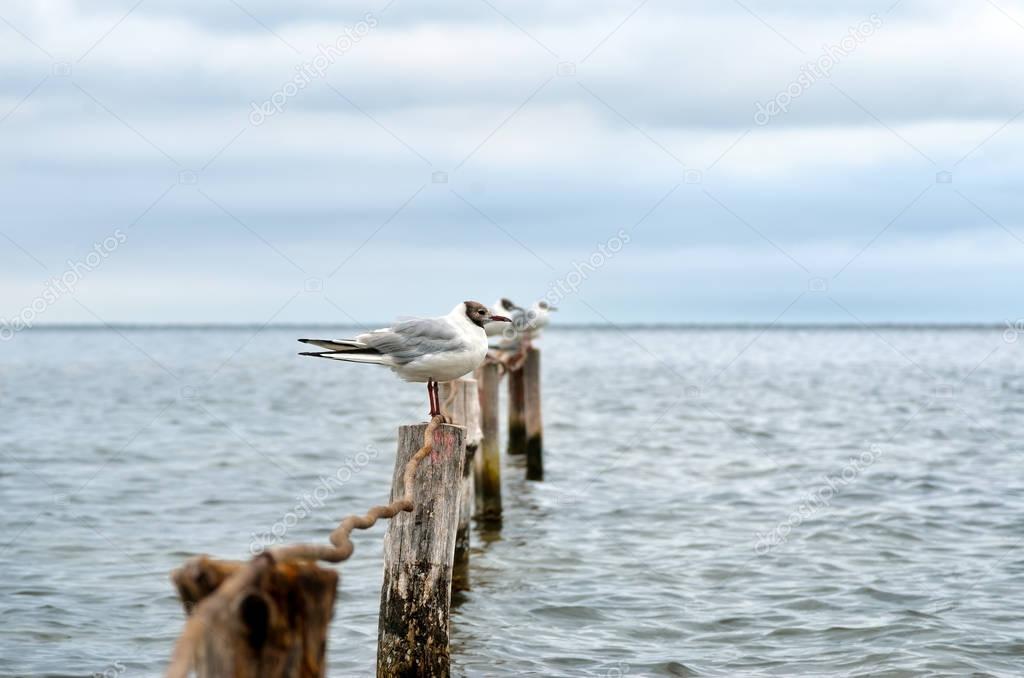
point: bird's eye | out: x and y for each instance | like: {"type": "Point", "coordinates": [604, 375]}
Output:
{"type": "Point", "coordinates": [482, 312]}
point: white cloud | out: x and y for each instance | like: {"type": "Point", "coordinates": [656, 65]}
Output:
{"type": "Point", "coordinates": [675, 88]}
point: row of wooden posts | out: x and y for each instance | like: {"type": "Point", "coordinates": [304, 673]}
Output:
{"type": "Point", "coordinates": [278, 629]}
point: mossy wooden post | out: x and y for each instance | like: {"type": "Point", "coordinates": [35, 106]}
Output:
{"type": "Point", "coordinates": [488, 459]}
{"type": "Point", "coordinates": [464, 411]}
{"type": "Point", "coordinates": [274, 629]}
{"type": "Point", "coordinates": [516, 412]}
{"type": "Point", "coordinates": [534, 421]}
{"type": "Point", "coordinates": [419, 548]}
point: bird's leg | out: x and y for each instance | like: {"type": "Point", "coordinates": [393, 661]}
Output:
{"type": "Point", "coordinates": [435, 403]}
{"type": "Point", "coordinates": [432, 393]}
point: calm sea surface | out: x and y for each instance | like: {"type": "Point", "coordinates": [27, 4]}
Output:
{"type": "Point", "coordinates": [717, 503]}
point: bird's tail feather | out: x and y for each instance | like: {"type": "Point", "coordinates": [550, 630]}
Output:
{"type": "Point", "coordinates": [373, 359]}
{"type": "Point", "coordinates": [343, 345]}
{"type": "Point", "coordinates": [348, 350]}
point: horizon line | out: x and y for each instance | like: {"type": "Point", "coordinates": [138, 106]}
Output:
{"type": "Point", "coordinates": [941, 325]}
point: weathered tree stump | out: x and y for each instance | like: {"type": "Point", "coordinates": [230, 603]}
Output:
{"type": "Point", "coordinates": [464, 411]}
{"type": "Point", "coordinates": [488, 459]}
{"type": "Point", "coordinates": [516, 412]}
{"type": "Point", "coordinates": [534, 421]}
{"type": "Point", "coordinates": [276, 628]}
{"type": "Point", "coordinates": [419, 549]}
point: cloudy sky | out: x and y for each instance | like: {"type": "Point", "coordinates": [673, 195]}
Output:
{"type": "Point", "coordinates": [249, 161]}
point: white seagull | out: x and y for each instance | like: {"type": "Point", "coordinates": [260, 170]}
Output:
{"type": "Point", "coordinates": [538, 317]}
{"type": "Point", "coordinates": [421, 349]}
{"type": "Point", "coordinates": [515, 314]}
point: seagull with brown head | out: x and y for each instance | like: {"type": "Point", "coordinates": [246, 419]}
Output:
{"type": "Point", "coordinates": [427, 350]}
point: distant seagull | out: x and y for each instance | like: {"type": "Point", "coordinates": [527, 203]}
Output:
{"type": "Point", "coordinates": [515, 314]}
{"type": "Point", "coordinates": [422, 349]}
{"type": "Point", "coordinates": [526, 323]}
{"type": "Point", "coordinates": [538, 317]}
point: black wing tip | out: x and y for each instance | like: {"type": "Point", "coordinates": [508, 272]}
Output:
{"type": "Point", "coordinates": [307, 341]}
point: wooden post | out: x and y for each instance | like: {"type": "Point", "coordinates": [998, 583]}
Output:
{"type": "Point", "coordinates": [516, 412]}
{"type": "Point", "coordinates": [460, 564]}
{"type": "Point", "coordinates": [488, 459]}
{"type": "Point", "coordinates": [464, 411]}
{"type": "Point", "coordinates": [418, 552]}
{"type": "Point", "coordinates": [534, 422]}
{"type": "Point", "coordinates": [274, 629]}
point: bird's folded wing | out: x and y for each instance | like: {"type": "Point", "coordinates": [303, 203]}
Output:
{"type": "Point", "coordinates": [412, 339]}
{"type": "Point", "coordinates": [425, 328]}
{"type": "Point", "coordinates": [335, 345]}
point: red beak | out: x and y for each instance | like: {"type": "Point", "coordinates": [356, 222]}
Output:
{"type": "Point", "coordinates": [501, 319]}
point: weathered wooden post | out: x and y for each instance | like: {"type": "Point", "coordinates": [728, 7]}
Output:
{"type": "Point", "coordinates": [516, 411]}
{"type": "Point", "coordinates": [534, 422]}
{"type": "Point", "coordinates": [418, 552]}
{"type": "Point", "coordinates": [275, 628]}
{"type": "Point", "coordinates": [488, 459]}
{"type": "Point", "coordinates": [464, 410]}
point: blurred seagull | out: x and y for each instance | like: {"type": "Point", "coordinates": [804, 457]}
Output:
{"type": "Point", "coordinates": [421, 349]}
{"type": "Point", "coordinates": [515, 314]}
{"type": "Point", "coordinates": [538, 317]}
